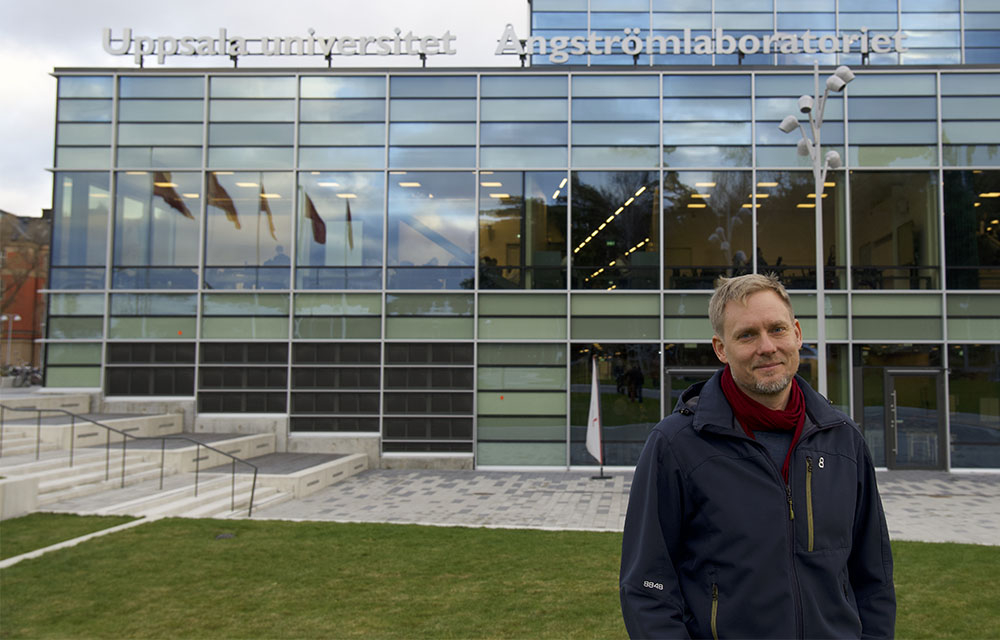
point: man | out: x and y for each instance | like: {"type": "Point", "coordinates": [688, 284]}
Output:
{"type": "Point", "coordinates": [754, 511]}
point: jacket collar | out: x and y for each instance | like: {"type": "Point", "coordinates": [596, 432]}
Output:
{"type": "Point", "coordinates": [712, 410]}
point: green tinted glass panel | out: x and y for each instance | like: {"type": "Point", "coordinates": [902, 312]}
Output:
{"type": "Point", "coordinates": [973, 329]}
{"type": "Point", "coordinates": [243, 327]}
{"type": "Point", "coordinates": [331, 304]}
{"type": "Point", "coordinates": [836, 328]}
{"type": "Point", "coordinates": [73, 354]}
{"type": "Point", "coordinates": [892, 305]}
{"type": "Point", "coordinates": [337, 327]}
{"type": "Point", "coordinates": [969, 305]}
{"type": "Point", "coordinates": [165, 328]}
{"type": "Point", "coordinates": [154, 304]}
{"type": "Point", "coordinates": [429, 305]}
{"type": "Point", "coordinates": [244, 304]}
{"type": "Point", "coordinates": [686, 305]}
{"type": "Point", "coordinates": [552, 378]}
{"type": "Point", "coordinates": [615, 305]}
{"type": "Point", "coordinates": [687, 328]}
{"type": "Point", "coordinates": [75, 327]}
{"type": "Point", "coordinates": [522, 304]}
{"type": "Point", "coordinates": [521, 453]}
{"type": "Point", "coordinates": [453, 328]}
{"type": "Point", "coordinates": [75, 304]}
{"type": "Point", "coordinates": [617, 328]}
{"type": "Point", "coordinates": [897, 329]}
{"type": "Point", "coordinates": [521, 403]}
{"type": "Point", "coordinates": [526, 354]}
{"type": "Point", "coordinates": [73, 377]}
{"type": "Point", "coordinates": [523, 328]}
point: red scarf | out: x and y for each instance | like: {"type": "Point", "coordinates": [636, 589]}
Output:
{"type": "Point", "coordinates": [753, 416]}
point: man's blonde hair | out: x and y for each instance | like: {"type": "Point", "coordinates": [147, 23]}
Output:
{"type": "Point", "coordinates": [739, 289]}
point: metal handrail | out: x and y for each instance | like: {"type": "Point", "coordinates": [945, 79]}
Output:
{"type": "Point", "coordinates": [125, 436]}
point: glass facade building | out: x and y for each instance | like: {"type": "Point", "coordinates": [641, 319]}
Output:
{"type": "Point", "coordinates": [430, 258]}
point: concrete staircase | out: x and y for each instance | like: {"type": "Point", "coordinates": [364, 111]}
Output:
{"type": "Point", "coordinates": [57, 462]}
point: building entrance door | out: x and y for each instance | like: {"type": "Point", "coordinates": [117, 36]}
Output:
{"type": "Point", "coordinates": [915, 421]}
{"type": "Point", "coordinates": [677, 379]}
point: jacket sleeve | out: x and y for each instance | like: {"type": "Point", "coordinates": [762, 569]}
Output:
{"type": "Point", "coordinates": [870, 562]}
{"type": "Point", "coordinates": [652, 604]}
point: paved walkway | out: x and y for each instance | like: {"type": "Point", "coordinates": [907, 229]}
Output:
{"type": "Point", "coordinates": [920, 505]}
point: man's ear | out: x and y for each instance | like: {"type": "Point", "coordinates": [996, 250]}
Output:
{"type": "Point", "coordinates": [798, 333]}
{"type": "Point", "coordinates": [720, 349]}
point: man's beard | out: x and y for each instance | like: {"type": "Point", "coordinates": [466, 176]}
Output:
{"type": "Point", "coordinates": [773, 387]}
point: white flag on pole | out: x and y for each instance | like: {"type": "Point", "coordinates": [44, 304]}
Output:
{"type": "Point", "coordinates": [594, 418]}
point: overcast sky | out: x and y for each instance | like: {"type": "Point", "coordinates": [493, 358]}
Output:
{"type": "Point", "coordinates": [37, 36]}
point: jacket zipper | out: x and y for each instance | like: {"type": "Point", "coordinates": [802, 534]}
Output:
{"type": "Point", "coordinates": [715, 611]}
{"type": "Point", "coordinates": [809, 499]}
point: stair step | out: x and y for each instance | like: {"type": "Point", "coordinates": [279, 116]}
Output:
{"type": "Point", "coordinates": [90, 488]}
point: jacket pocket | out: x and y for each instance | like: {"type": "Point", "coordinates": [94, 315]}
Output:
{"type": "Point", "coordinates": [809, 503]}
{"type": "Point", "coordinates": [715, 611]}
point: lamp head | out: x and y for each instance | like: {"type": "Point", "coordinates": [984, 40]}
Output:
{"type": "Point", "coordinates": [833, 159]}
{"type": "Point", "coordinates": [789, 124]}
{"type": "Point", "coordinates": [844, 73]}
{"type": "Point", "coordinates": [805, 104]}
{"type": "Point", "coordinates": [835, 83]}
{"type": "Point", "coordinates": [802, 148]}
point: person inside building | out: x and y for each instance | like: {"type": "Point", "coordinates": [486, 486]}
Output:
{"type": "Point", "coordinates": [754, 511]}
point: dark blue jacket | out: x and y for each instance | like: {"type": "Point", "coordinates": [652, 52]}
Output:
{"type": "Point", "coordinates": [717, 545]}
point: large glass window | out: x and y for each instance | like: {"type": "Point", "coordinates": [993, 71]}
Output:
{"type": "Point", "coordinates": [972, 229]}
{"type": "Point", "coordinates": [786, 228]}
{"type": "Point", "coordinates": [614, 230]}
{"type": "Point", "coordinates": [249, 230]}
{"type": "Point", "coordinates": [523, 122]}
{"type": "Point", "coordinates": [776, 97]}
{"type": "Point", "coordinates": [706, 121]}
{"type": "Point", "coordinates": [80, 230]}
{"type": "Point", "coordinates": [975, 405]}
{"type": "Point", "coordinates": [970, 128]}
{"type": "Point", "coordinates": [707, 227]}
{"type": "Point", "coordinates": [432, 230]}
{"type": "Point", "coordinates": [343, 122]}
{"type": "Point", "coordinates": [84, 102]}
{"type": "Point", "coordinates": [340, 230]}
{"type": "Point", "coordinates": [244, 112]}
{"type": "Point", "coordinates": [629, 381]}
{"type": "Point", "coordinates": [160, 121]}
{"type": "Point", "coordinates": [893, 120]}
{"type": "Point", "coordinates": [432, 121]}
{"type": "Point", "coordinates": [522, 230]}
{"type": "Point", "coordinates": [615, 121]}
{"type": "Point", "coordinates": [894, 228]}
{"type": "Point", "coordinates": [157, 230]}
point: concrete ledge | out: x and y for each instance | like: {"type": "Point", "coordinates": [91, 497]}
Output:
{"type": "Point", "coordinates": [369, 445]}
{"type": "Point", "coordinates": [88, 434]}
{"type": "Point", "coordinates": [271, 424]}
{"type": "Point", "coordinates": [18, 496]}
{"type": "Point", "coordinates": [72, 402]}
{"type": "Point", "coordinates": [184, 460]}
{"type": "Point", "coordinates": [311, 480]}
{"type": "Point", "coordinates": [184, 407]}
{"type": "Point", "coordinates": [438, 461]}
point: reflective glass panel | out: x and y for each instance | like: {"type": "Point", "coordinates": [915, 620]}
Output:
{"type": "Point", "coordinates": [80, 219]}
{"type": "Point", "coordinates": [614, 230]}
{"type": "Point", "coordinates": [707, 227]}
{"type": "Point", "coordinates": [972, 229]}
{"type": "Point", "coordinates": [522, 230]}
{"type": "Point", "coordinates": [894, 229]}
{"type": "Point", "coordinates": [248, 230]}
{"type": "Point", "coordinates": [432, 230]}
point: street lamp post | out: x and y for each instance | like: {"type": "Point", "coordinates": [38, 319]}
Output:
{"type": "Point", "coordinates": [10, 320]}
{"type": "Point", "coordinates": [814, 107]}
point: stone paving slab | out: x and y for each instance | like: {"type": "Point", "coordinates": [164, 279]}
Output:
{"type": "Point", "coordinates": [919, 505]}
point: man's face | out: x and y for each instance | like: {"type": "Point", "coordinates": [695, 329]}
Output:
{"type": "Point", "coordinates": [760, 344]}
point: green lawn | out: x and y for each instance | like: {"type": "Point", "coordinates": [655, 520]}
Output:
{"type": "Point", "coordinates": [39, 530]}
{"type": "Point", "coordinates": [178, 578]}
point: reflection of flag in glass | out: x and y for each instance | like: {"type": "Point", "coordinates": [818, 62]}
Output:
{"type": "Point", "coordinates": [218, 197]}
{"type": "Point", "coordinates": [318, 226]}
{"type": "Point", "coordinates": [350, 231]}
{"type": "Point", "coordinates": [163, 187]}
{"type": "Point", "coordinates": [266, 208]}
